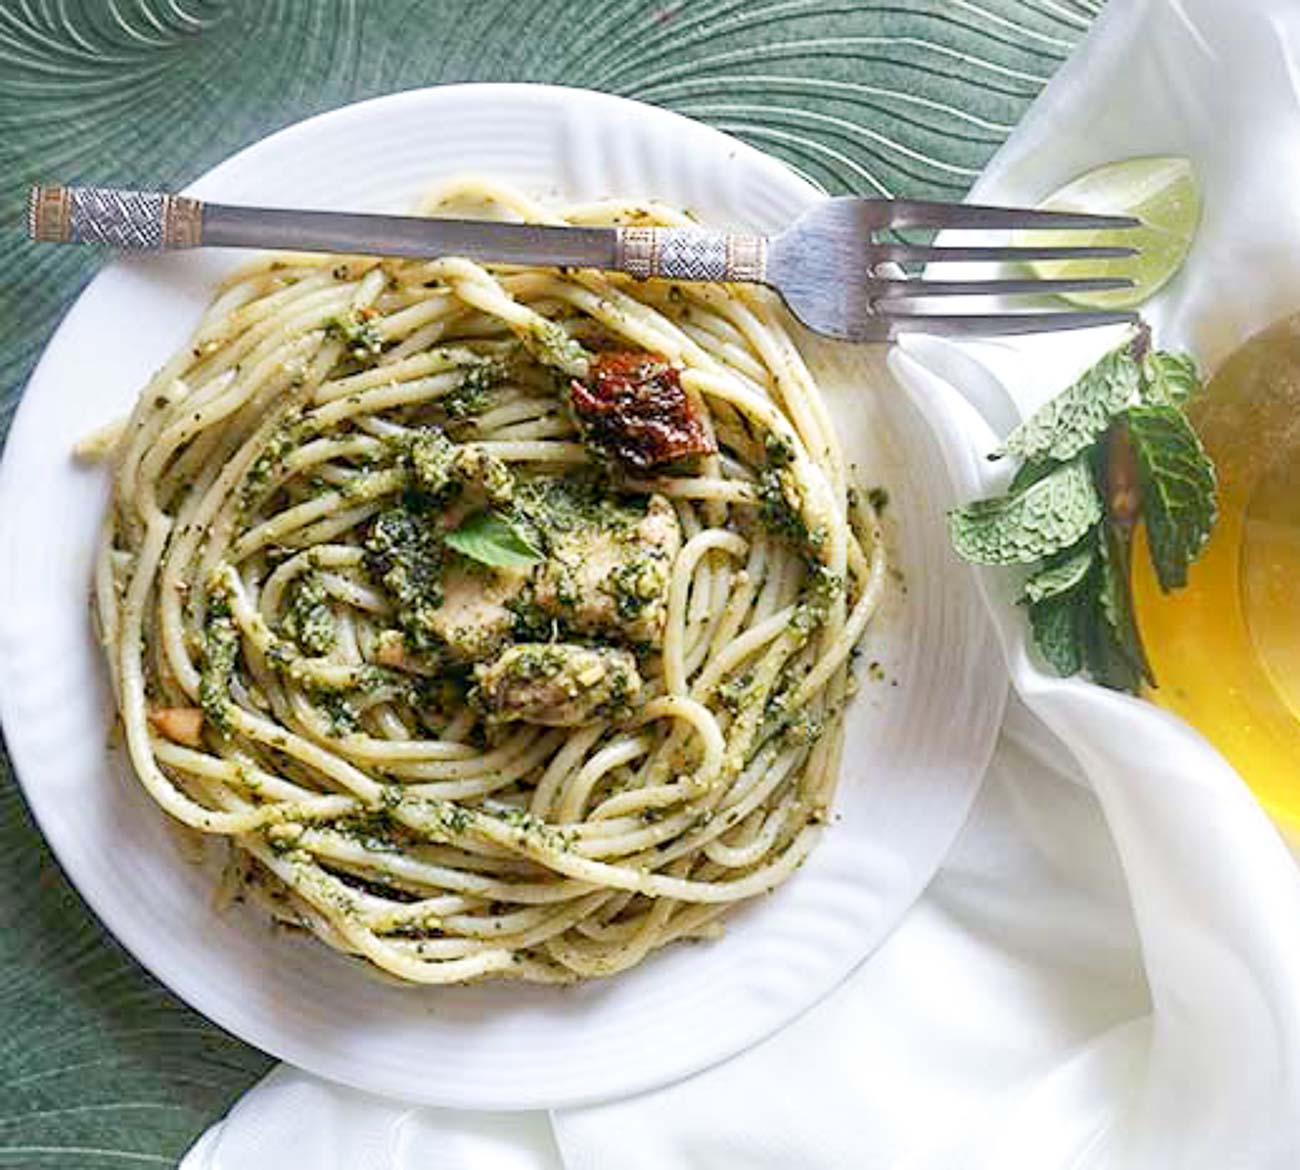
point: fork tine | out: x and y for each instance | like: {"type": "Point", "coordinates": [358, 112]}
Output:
{"type": "Point", "coordinates": [893, 290]}
{"type": "Point", "coordinates": [997, 324]}
{"type": "Point", "coordinates": [913, 213]}
{"type": "Point", "coordinates": [904, 253]}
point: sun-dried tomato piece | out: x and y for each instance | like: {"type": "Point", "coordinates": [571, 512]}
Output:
{"type": "Point", "coordinates": [633, 406]}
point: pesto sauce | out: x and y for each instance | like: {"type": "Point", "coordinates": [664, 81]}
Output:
{"type": "Point", "coordinates": [357, 330]}
{"type": "Point", "coordinates": [824, 587]}
{"type": "Point", "coordinates": [532, 829]}
{"type": "Point", "coordinates": [551, 344]}
{"type": "Point", "coordinates": [736, 693]}
{"type": "Point", "coordinates": [638, 584]}
{"type": "Point", "coordinates": [473, 395]}
{"type": "Point", "coordinates": [576, 504]}
{"type": "Point", "coordinates": [441, 470]}
{"type": "Point", "coordinates": [781, 501]}
{"type": "Point", "coordinates": [431, 456]}
{"type": "Point", "coordinates": [307, 619]}
{"type": "Point", "coordinates": [340, 714]}
{"type": "Point", "coordinates": [269, 464]}
{"type": "Point", "coordinates": [220, 651]}
{"type": "Point", "coordinates": [405, 555]}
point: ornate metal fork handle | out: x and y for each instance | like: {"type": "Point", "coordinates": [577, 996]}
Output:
{"type": "Point", "coordinates": [691, 254]}
{"type": "Point", "coordinates": [826, 264]}
{"type": "Point", "coordinates": [154, 221]}
{"type": "Point", "coordinates": [133, 220]}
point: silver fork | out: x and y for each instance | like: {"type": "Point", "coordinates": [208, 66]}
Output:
{"type": "Point", "coordinates": [829, 266]}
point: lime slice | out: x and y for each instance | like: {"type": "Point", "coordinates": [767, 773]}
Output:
{"type": "Point", "coordinates": [1161, 191]}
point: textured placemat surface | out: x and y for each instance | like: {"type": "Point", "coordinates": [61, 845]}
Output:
{"type": "Point", "coordinates": [99, 1066]}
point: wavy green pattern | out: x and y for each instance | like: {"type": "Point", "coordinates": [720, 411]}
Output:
{"type": "Point", "coordinates": [99, 1066]}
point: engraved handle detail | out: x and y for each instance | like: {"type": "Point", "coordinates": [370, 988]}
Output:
{"type": "Point", "coordinates": [154, 220]}
{"type": "Point", "coordinates": [131, 220]}
{"type": "Point", "coordinates": [691, 254]}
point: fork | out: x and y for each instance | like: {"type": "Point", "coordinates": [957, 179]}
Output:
{"type": "Point", "coordinates": [829, 266]}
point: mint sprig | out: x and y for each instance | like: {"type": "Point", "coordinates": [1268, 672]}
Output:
{"type": "Point", "coordinates": [1114, 449]}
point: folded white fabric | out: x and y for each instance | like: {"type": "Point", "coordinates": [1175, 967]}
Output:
{"type": "Point", "coordinates": [1106, 972]}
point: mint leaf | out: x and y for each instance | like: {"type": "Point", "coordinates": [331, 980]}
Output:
{"type": "Point", "coordinates": [1054, 622]}
{"type": "Point", "coordinates": [1168, 379]}
{"type": "Point", "coordinates": [1179, 499]}
{"type": "Point", "coordinates": [1061, 575]}
{"type": "Point", "coordinates": [1081, 613]}
{"type": "Point", "coordinates": [1077, 417]}
{"type": "Point", "coordinates": [1116, 600]}
{"type": "Point", "coordinates": [1044, 518]}
{"type": "Point", "coordinates": [1105, 658]}
{"type": "Point", "coordinates": [491, 539]}
{"type": "Point", "coordinates": [1027, 474]}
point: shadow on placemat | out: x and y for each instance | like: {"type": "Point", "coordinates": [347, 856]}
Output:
{"type": "Point", "coordinates": [100, 1066]}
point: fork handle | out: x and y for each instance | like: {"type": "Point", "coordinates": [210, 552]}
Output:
{"type": "Point", "coordinates": [155, 221]}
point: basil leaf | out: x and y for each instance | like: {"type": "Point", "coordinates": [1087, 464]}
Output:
{"type": "Point", "coordinates": [1177, 482]}
{"type": "Point", "coordinates": [1061, 575]}
{"type": "Point", "coordinates": [1054, 623]}
{"type": "Point", "coordinates": [491, 539]}
{"type": "Point", "coordinates": [1049, 515]}
{"type": "Point", "coordinates": [1168, 379]}
{"type": "Point", "coordinates": [1076, 418]}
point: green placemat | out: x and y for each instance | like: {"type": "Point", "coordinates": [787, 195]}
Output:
{"type": "Point", "coordinates": [100, 1066]}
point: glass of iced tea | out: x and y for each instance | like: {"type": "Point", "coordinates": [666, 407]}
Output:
{"type": "Point", "coordinates": [1226, 650]}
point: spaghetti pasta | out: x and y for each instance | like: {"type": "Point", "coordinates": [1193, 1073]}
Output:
{"type": "Point", "coordinates": [467, 695]}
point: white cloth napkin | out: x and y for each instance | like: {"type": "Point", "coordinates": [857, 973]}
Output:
{"type": "Point", "coordinates": [1106, 972]}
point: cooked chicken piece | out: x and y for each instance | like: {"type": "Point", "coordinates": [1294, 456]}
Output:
{"type": "Point", "coordinates": [440, 602]}
{"type": "Point", "coordinates": [612, 578]}
{"type": "Point", "coordinates": [557, 684]}
{"type": "Point", "coordinates": [182, 725]}
{"type": "Point", "coordinates": [473, 619]}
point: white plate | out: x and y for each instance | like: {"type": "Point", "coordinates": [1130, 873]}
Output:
{"type": "Point", "coordinates": [916, 750]}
